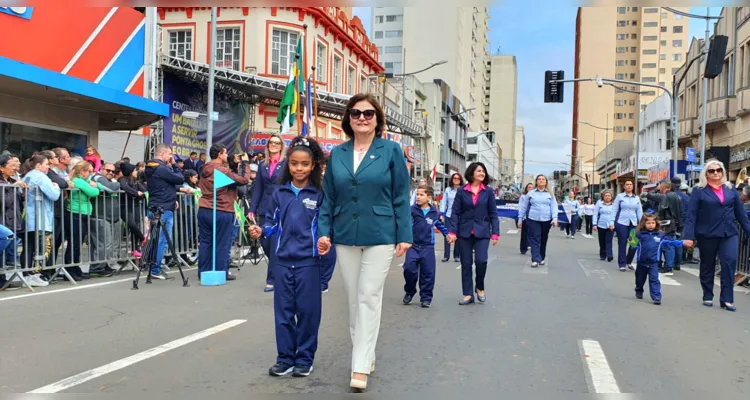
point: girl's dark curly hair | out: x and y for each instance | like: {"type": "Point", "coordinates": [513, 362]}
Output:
{"type": "Point", "coordinates": [311, 147]}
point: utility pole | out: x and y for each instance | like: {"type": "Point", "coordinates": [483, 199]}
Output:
{"type": "Point", "coordinates": [211, 73]}
{"type": "Point", "coordinates": [705, 94]}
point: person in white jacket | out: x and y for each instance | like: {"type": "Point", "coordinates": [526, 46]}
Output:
{"type": "Point", "coordinates": [40, 214]}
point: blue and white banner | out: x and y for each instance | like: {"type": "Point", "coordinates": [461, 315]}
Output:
{"type": "Point", "coordinates": [509, 209]}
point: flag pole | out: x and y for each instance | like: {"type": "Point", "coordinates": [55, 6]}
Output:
{"type": "Point", "coordinates": [315, 103]}
{"type": "Point", "coordinates": [301, 84]}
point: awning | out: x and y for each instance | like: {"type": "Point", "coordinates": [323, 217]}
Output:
{"type": "Point", "coordinates": [117, 110]}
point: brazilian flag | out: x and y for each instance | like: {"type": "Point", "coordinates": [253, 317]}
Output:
{"type": "Point", "coordinates": [240, 217]}
{"type": "Point", "coordinates": [633, 239]}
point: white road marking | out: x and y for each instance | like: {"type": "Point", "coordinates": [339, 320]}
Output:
{"type": "Point", "coordinates": [81, 287]}
{"type": "Point", "coordinates": [669, 281]}
{"type": "Point", "coordinates": [599, 376]}
{"type": "Point", "coordinates": [592, 271]}
{"type": "Point", "coordinates": [587, 236]}
{"type": "Point", "coordinates": [86, 376]}
{"type": "Point", "coordinates": [717, 281]}
{"type": "Point", "coordinates": [512, 231]}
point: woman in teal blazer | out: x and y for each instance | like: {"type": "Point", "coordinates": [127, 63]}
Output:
{"type": "Point", "coordinates": [366, 209]}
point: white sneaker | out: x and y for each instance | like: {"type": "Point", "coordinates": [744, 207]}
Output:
{"type": "Point", "coordinates": [160, 276]}
{"type": "Point", "coordinates": [36, 281]}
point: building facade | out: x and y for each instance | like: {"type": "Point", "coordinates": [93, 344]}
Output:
{"type": "Point", "coordinates": [83, 87]}
{"type": "Point", "coordinates": [263, 41]}
{"type": "Point", "coordinates": [501, 115]}
{"type": "Point", "coordinates": [519, 154]}
{"type": "Point", "coordinates": [639, 44]}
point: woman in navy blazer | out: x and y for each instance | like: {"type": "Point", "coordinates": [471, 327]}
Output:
{"type": "Point", "coordinates": [366, 209]}
{"type": "Point", "coordinates": [474, 224]}
{"type": "Point", "coordinates": [713, 213]}
{"type": "Point", "coordinates": [266, 182]}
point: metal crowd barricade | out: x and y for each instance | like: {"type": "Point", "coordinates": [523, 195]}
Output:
{"type": "Point", "coordinates": [742, 276]}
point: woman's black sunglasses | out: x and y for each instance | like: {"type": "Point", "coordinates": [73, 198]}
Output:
{"type": "Point", "coordinates": [714, 171]}
{"type": "Point", "coordinates": [355, 114]}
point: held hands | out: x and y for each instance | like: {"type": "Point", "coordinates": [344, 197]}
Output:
{"type": "Point", "coordinates": [451, 238]}
{"type": "Point", "coordinates": [255, 231]}
{"type": "Point", "coordinates": [688, 243]}
{"type": "Point", "coordinates": [324, 245]}
{"type": "Point", "coordinates": [401, 249]}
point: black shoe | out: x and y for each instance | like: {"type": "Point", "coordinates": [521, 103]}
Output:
{"type": "Point", "coordinates": [85, 276]}
{"type": "Point", "coordinates": [676, 267]}
{"type": "Point", "coordinates": [280, 369]}
{"type": "Point", "coordinates": [662, 270]}
{"type": "Point", "coordinates": [426, 304]}
{"type": "Point", "coordinates": [76, 278]}
{"type": "Point", "coordinates": [657, 302]}
{"type": "Point", "coordinates": [463, 302]}
{"type": "Point", "coordinates": [408, 298]}
{"type": "Point", "coordinates": [609, 259]}
{"type": "Point", "coordinates": [444, 260]}
{"type": "Point", "coordinates": [300, 371]}
{"type": "Point", "coordinates": [481, 299]}
{"type": "Point", "coordinates": [639, 295]}
{"type": "Point", "coordinates": [602, 258]}
{"type": "Point", "coordinates": [102, 273]}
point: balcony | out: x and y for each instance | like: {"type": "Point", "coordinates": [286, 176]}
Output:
{"type": "Point", "coordinates": [721, 110]}
{"type": "Point", "coordinates": [743, 101]}
{"type": "Point", "coordinates": [687, 127]}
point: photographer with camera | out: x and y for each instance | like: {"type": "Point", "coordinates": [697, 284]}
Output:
{"type": "Point", "coordinates": [224, 223]}
{"type": "Point", "coordinates": [162, 189]}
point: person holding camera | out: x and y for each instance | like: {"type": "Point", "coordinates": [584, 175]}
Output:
{"type": "Point", "coordinates": [224, 223]}
{"type": "Point", "coordinates": [162, 181]}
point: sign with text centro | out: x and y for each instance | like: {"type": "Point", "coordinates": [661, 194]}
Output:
{"type": "Point", "coordinates": [259, 140]}
{"type": "Point", "coordinates": [21, 12]}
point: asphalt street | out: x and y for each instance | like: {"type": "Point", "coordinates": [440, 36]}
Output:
{"type": "Point", "coordinates": [573, 326]}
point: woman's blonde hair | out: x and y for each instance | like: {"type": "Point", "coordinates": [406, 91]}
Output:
{"type": "Point", "coordinates": [268, 154]}
{"type": "Point", "coordinates": [549, 189]}
{"type": "Point", "coordinates": [78, 169]}
{"type": "Point", "coordinates": [703, 181]}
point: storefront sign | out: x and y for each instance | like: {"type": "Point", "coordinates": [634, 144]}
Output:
{"type": "Point", "coordinates": [647, 160]}
{"type": "Point", "coordinates": [658, 172]}
{"type": "Point", "coordinates": [259, 141]}
{"type": "Point", "coordinates": [21, 12]}
{"type": "Point", "coordinates": [739, 155]}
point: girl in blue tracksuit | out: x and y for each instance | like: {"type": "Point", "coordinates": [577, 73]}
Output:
{"type": "Point", "coordinates": [293, 224]}
{"type": "Point", "coordinates": [420, 258]}
{"type": "Point", "coordinates": [650, 241]}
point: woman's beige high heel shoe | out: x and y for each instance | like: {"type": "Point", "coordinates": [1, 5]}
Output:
{"type": "Point", "coordinates": [358, 383]}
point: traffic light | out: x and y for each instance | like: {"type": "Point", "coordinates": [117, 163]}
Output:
{"type": "Point", "coordinates": [553, 92]}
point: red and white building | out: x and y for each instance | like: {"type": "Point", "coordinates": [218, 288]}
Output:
{"type": "Point", "coordinates": [262, 41]}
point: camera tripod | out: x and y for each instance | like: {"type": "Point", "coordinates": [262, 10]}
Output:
{"type": "Point", "coordinates": [157, 226]}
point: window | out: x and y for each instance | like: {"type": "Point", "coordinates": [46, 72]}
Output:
{"type": "Point", "coordinates": [661, 83]}
{"type": "Point", "coordinates": [378, 34]}
{"type": "Point", "coordinates": [662, 71]}
{"type": "Point", "coordinates": [677, 16]}
{"type": "Point", "coordinates": [619, 115]}
{"type": "Point", "coordinates": [634, 36]}
{"type": "Point", "coordinates": [621, 36]}
{"type": "Point", "coordinates": [662, 57]}
{"type": "Point", "coordinates": [622, 23]}
{"type": "Point", "coordinates": [631, 102]}
{"type": "Point", "coordinates": [394, 18]}
{"type": "Point", "coordinates": [393, 67]}
{"type": "Point", "coordinates": [651, 10]}
{"type": "Point", "coordinates": [649, 65]}
{"type": "Point", "coordinates": [634, 9]}
{"type": "Point", "coordinates": [619, 76]}
{"type": "Point", "coordinates": [649, 79]}
{"type": "Point", "coordinates": [622, 49]}
{"type": "Point", "coordinates": [471, 140]}
{"type": "Point", "coordinates": [674, 70]}
{"type": "Point", "coordinates": [663, 43]}
{"type": "Point", "coordinates": [663, 28]}
{"type": "Point", "coordinates": [649, 51]}
{"type": "Point", "coordinates": [228, 48]}
{"type": "Point", "coordinates": [619, 102]}
{"type": "Point", "coordinates": [677, 29]}
{"type": "Point", "coordinates": [392, 34]}
{"type": "Point", "coordinates": [393, 49]}
{"type": "Point", "coordinates": [181, 44]}
{"type": "Point", "coordinates": [351, 73]}
{"type": "Point", "coordinates": [677, 43]}
{"type": "Point", "coordinates": [650, 38]}
{"type": "Point", "coordinates": [283, 47]}
{"type": "Point", "coordinates": [631, 129]}
{"type": "Point", "coordinates": [336, 74]}
{"type": "Point", "coordinates": [618, 129]}
{"type": "Point", "coordinates": [650, 24]}
{"type": "Point", "coordinates": [676, 57]}
{"type": "Point", "coordinates": [632, 76]}
{"type": "Point", "coordinates": [320, 63]}
{"type": "Point", "coordinates": [633, 63]}
{"type": "Point", "coordinates": [631, 116]}
{"type": "Point", "coordinates": [621, 10]}
{"type": "Point", "coordinates": [649, 93]}
{"type": "Point", "coordinates": [620, 63]}
{"type": "Point", "coordinates": [633, 49]}
{"type": "Point", "coordinates": [664, 15]}
{"type": "Point", "coordinates": [379, 19]}
{"type": "Point", "coordinates": [634, 23]}
{"type": "Point", "coordinates": [363, 85]}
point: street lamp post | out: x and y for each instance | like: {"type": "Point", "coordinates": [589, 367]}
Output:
{"type": "Point", "coordinates": [606, 143]}
{"type": "Point", "coordinates": [708, 18]}
{"type": "Point", "coordinates": [211, 67]}
{"type": "Point", "coordinates": [593, 159]}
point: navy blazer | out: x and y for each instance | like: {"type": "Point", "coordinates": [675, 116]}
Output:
{"type": "Point", "coordinates": [481, 218]}
{"type": "Point", "coordinates": [709, 218]}
{"type": "Point", "coordinates": [266, 182]}
{"type": "Point", "coordinates": [368, 207]}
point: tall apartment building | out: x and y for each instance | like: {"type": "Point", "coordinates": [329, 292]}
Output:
{"type": "Point", "coordinates": [458, 35]}
{"type": "Point", "coordinates": [500, 114]}
{"type": "Point", "coordinates": [641, 44]}
{"type": "Point", "coordinates": [519, 153]}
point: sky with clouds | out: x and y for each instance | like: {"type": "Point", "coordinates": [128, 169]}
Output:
{"type": "Point", "coordinates": [542, 40]}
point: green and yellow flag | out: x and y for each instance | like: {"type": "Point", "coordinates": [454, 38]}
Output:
{"type": "Point", "coordinates": [290, 101]}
